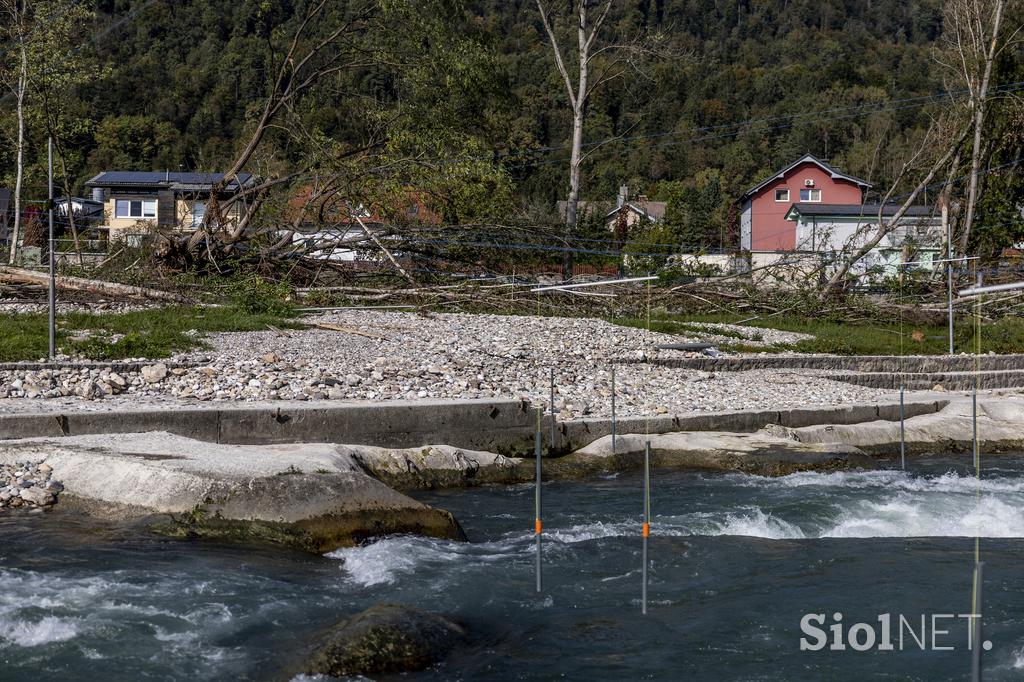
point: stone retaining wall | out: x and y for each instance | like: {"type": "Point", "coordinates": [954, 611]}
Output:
{"type": "Point", "coordinates": [854, 363]}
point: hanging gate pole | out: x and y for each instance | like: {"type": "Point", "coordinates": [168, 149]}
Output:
{"type": "Point", "coordinates": [647, 523]}
{"type": "Point", "coordinates": [537, 524]}
{"type": "Point", "coordinates": [552, 445]}
{"type": "Point", "coordinates": [614, 430]}
{"type": "Point", "coordinates": [51, 295]}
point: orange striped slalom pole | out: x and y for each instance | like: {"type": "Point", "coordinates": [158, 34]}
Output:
{"type": "Point", "coordinates": [536, 515]}
{"type": "Point", "coordinates": [647, 522]}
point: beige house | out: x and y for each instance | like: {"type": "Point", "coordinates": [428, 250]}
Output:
{"type": "Point", "coordinates": [138, 202]}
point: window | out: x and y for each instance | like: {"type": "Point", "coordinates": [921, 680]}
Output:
{"type": "Point", "coordinates": [782, 195]}
{"type": "Point", "coordinates": [813, 195]}
{"type": "Point", "coordinates": [198, 212]}
{"type": "Point", "coordinates": [135, 208]}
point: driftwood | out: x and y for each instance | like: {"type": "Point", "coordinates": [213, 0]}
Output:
{"type": "Point", "coordinates": [347, 330]}
{"type": "Point", "coordinates": [92, 286]}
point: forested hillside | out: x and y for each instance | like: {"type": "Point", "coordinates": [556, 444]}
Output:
{"type": "Point", "coordinates": [736, 89]}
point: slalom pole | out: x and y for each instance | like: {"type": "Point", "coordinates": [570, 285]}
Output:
{"type": "Point", "coordinates": [647, 522]}
{"type": "Point", "coordinates": [536, 514]}
{"type": "Point", "coordinates": [903, 436]}
{"type": "Point", "coordinates": [976, 609]}
{"type": "Point", "coordinates": [614, 430]}
{"type": "Point", "coordinates": [552, 445]}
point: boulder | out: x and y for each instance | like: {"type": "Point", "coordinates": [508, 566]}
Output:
{"type": "Point", "coordinates": [386, 638]}
{"type": "Point", "coordinates": [154, 373]}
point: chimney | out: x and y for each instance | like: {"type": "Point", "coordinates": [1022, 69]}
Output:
{"type": "Point", "coordinates": [623, 196]}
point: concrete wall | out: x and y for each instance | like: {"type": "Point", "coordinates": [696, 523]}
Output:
{"type": "Point", "coordinates": [501, 426]}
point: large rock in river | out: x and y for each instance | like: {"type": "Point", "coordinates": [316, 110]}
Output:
{"type": "Point", "coordinates": [310, 495]}
{"type": "Point", "coordinates": [387, 638]}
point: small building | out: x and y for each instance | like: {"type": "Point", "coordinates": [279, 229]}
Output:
{"type": "Point", "coordinates": [764, 225]}
{"type": "Point", "coordinates": [623, 212]}
{"type": "Point", "coordinates": [86, 212]}
{"type": "Point", "coordinates": [137, 202]}
{"type": "Point", "coordinates": [327, 226]}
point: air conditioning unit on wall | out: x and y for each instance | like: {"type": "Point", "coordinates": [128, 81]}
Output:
{"type": "Point", "coordinates": [808, 183]}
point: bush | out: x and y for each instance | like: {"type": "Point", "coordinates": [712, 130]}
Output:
{"type": "Point", "coordinates": [255, 295]}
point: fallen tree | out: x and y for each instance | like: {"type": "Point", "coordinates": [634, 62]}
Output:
{"type": "Point", "coordinates": [92, 286]}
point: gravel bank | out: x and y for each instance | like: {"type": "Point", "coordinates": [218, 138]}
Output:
{"type": "Point", "coordinates": [24, 485]}
{"type": "Point", "coordinates": [392, 356]}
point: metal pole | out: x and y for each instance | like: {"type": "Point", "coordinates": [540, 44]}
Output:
{"type": "Point", "coordinates": [976, 644]}
{"type": "Point", "coordinates": [949, 275]}
{"type": "Point", "coordinates": [552, 409]}
{"type": "Point", "coordinates": [974, 388]}
{"type": "Point", "coordinates": [647, 522]}
{"type": "Point", "coordinates": [614, 432]}
{"type": "Point", "coordinates": [52, 293]}
{"type": "Point", "coordinates": [903, 436]}
{"type": "Point", "coordinates": [537, 523]}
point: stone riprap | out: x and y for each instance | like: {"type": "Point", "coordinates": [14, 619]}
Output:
{"type": "Point", "coordinates": [403, 356]}
{"type": "Point", "coordinates": [27, 485]}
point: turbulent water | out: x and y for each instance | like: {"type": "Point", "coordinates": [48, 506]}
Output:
{"type": "Point", "coordinates": [736, 561]}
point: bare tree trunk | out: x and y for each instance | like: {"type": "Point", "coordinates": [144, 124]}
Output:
{"type": "Point", "coordinates": [578, 97]}
{"type": "Point", "coordinates": [20, 162]}
{"type": "Point", "coordinates": [70, 208]}
{"type": "Point", "coordinates": [978, 103]}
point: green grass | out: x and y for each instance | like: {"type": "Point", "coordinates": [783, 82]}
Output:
{"type": "Point", "coordinates": [1005, 335]}
{"type": "Point", "coordinates": [156, 333]}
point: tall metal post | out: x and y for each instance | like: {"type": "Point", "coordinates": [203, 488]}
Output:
{"type": "Point", "coordinates": [552, 409]}
{"type": "Point", "coordinates": [52, 293]}
{"type": "Point", "coordinates": [537, 524]}
{"type": "Point", "coordinates": [949, 275]}
{"type": "Point", "coordinates": [976, 642]}
{"type": "Point", "coordinates": [614, 429]}
{"type": "Point", "coordinates": [647, 523]}
{"type": "Point", "coordinates": [974, 388]}
{"type": "Point", "coordinates": [903, 435]}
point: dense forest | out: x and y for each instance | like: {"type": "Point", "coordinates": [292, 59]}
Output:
{"type": "Point", "coordinates": [732, 90]}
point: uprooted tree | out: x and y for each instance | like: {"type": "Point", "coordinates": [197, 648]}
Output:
{"type": "Point", "coordinates": [975, 36]}
{"type": "Point", "coordinates": [413, 143]}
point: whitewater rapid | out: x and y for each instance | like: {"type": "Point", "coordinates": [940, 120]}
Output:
{"type": "Point", "coordinates": [802, 506]}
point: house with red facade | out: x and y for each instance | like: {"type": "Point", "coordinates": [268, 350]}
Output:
{"type": "Point", "coordinates": [806, 214]}
{"type": "Point", "coordinates": [765, 224]}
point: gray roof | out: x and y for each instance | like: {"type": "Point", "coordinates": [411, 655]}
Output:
{"type": "Point", "coordinates": [807, 158]}
{"type": "Point", "coordinates": [867, 211]}
{"type": "Point", "coordinates": [167, 180]}
{"type": "Point", "coordinates": [653, 210]}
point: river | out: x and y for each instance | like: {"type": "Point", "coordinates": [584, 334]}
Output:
{"type": "Point", "coordinates": [736, 562]}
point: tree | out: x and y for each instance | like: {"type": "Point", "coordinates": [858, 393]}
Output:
{"type": "Point", "coordinates": [972, 44]}
{"type": "Point", "coordinates": [59, 66]}
{"type": "Point", "coordinates": [613, 60]}
{"type": "Point", "coordinates": [872, 234]}
{"type": "Point", "coordinates": [16, 14]}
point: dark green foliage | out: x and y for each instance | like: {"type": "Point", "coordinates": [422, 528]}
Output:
{"type": "Point", "coordinates": [452, 80]}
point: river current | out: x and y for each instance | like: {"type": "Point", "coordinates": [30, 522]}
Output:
{"type": "Point", "coordinates": [736, 562]}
